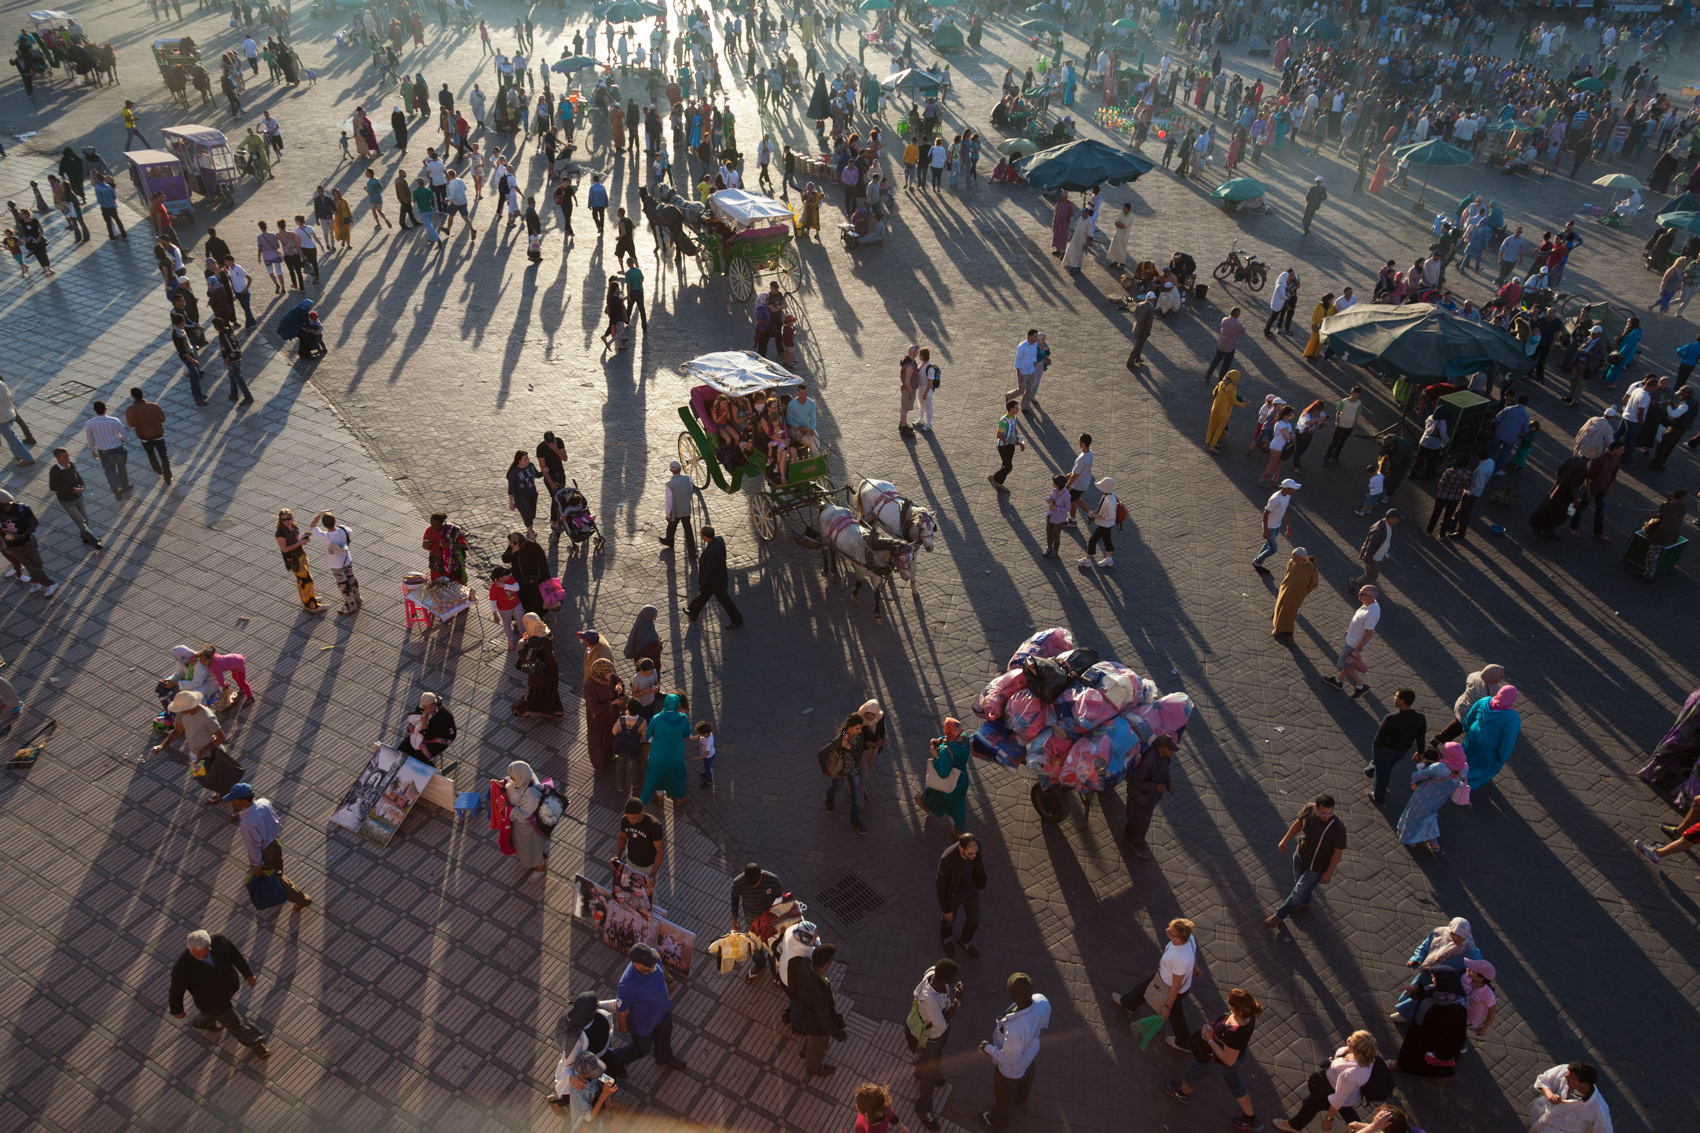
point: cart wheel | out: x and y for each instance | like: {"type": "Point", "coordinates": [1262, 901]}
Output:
{"type": "Point", "coordinates": [1048, 801]}
{"type": "Point", "coordinates": [743, 280]}
{"type": "Point", "coordinates": [691, 457]}
{"type": "Point", "coordinates": [705, 262]}
{"type": "Point", "coordinates": [790, 271]}
{"type": "Point", "coordinates": [227, 195]}
{"type": "Point", "coordinates": [764, 517]}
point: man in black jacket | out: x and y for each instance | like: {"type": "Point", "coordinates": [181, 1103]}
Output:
{"type": "Point", "coordinates": [211, 970]}
{"type": "Point", "coordinates": [961, 876]}
{"type": "Point", "coordinates": [1313, 201]}
{"type": "Point", "coordinates": [712, 578]}
{"type": "Point", "coordinates": [1403, 727]}
{"type": "Point", "coordinates": [813, 1013]}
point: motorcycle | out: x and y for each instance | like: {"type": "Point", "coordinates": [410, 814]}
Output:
{"type": "Point", "coordinates": [1244, 267]}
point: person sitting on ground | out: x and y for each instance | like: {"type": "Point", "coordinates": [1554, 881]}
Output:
{"type": "Point", "coordinates": [429, 731]}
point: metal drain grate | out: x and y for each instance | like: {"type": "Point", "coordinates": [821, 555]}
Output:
{"type": "Point", "coordinates": [66, 392]}
{"type": "Point", "coordinates": [849, 899]}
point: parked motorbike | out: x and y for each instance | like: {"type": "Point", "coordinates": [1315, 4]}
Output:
{"type": "Point", "coordinates": [1243, 267]}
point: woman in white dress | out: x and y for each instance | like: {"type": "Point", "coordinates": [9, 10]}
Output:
{"type": "Point", "coordinates": [1076, 254]}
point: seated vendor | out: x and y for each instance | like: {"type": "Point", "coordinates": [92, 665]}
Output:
{"type": "Point", "coordinates": [801, 418]}
{"type": "Point", "coordinates": [429, 731]}
{"type": "Point", "coordinates": [1183, 267]}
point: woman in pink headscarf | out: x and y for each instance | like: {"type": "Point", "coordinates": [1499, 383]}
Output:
{"type": "Point", "coordinates": [1491, 726]}
{"type": "Point", "coordinates": [1432, 785]}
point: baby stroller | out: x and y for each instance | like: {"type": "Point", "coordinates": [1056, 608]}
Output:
{"type": "Point", "coordinates": [580, 525]}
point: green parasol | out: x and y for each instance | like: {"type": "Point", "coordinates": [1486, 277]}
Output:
{"type": "Point", "coordinates": [1045, 26]}
{"type": "Point", "coordinates": [1018, 147]}
{"type": "Point", "coordinates": [875, 5]}
{"type": "Point", "coordinates": [1687, 221]}
{"type": "Point", "coordinates": [1239, 189]}
{"type": "Point", "coordinates": [1431, 153]}
{"type": "Point", "coordinates": [1589, 84]}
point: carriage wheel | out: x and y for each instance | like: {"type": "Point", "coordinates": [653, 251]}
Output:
{"type": "Point", "coordinates": [743, 279]}
{"type": "Point", "coordinates": [1048, 801]}
{"type": "Point", "coordinates": [691, 457]}
{"type": "Point", "coordinates": [764, 517]}
{"type": "Point", "coordinates": [227, 195]}
{"type": "Point", "coordinates": [790, 270]}
{"type": "Point", "coordinates": [705, 261]}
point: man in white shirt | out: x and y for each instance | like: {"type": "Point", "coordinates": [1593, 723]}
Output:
{"type": "Point", "coordinates": [1273, 520]}
{"type": "Point", "coordinates": [1026, 370]}
{"type": "Point", "coordinates": [239, 287]}
{"type": "Point", "coordinates": [1359, 633]}
{"type": "Point", "coordinates": [1569, 1101]}
{"type": "Point", "coordinates": [106, 437]}
{"type": "Point", "coordinates": [729, 175]}
{"type": "Point", "coordinates": [252, 51]}
{"type": "Point", "coordinates": [333, 540]}
{"type": "Point", "coordinates": [1478, 489]}
{"type": "Point", "coordinates": [437, 176]}
{"type": "Point", "coordinates": [764, 159]}
{"type": "Point", "coordinates": [1013, 1048]}
{"type": "Point", "coordinates": [454, 195]}
{"type": "Point", "coordinates": [938, 157]}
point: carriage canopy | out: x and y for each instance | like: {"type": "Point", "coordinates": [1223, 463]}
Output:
{"type": "Point", "coordinates": [738, 372]}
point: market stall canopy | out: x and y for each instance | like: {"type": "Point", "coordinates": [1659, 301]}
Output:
{"type": "Point", "coordinates": [1045, 26]}
{"type": "Point", "coordinates": [1422, 341]}
{"type": "Point", "coordinates": [625, 11]}
{"type": "Point", "coordinates": [1321, 29]}
{"type": "Point", "coordinates": [1589, 84]}
{"type": "Point", "coordinates": [572, 63]}
{"type": "Point", "coordinates": [738, 372]}
{"type": "Point", "coordinates": [948, 35]}
{"type": "Point", "coordinates": [745, 208]}
{"type": "Point", "coordinates": [1239, 189]}
{"type": "Point", "coordinates": [1018, 147]}
{"type": "Point", "coordinates": [875, 5]}
{"type": "Point", "coordinates": [1686, 202]}
{"type": "Point", "coordinates": [1080, 165]}
{"type": "Point", "coordinates": [1124, 24]}
{"type": "Point", "coordinates": [911, 81]}
{"type": "Point", "coordinates": [1042, 10]}
{"type": "Point", "coordinates": [942, 3]}
{"type": "Point", "coordinates": [48, 14]}
{"type": "Point", "coordinates": [1687, 221]}
{"type": "Point", "coordinates": [1433, 152]}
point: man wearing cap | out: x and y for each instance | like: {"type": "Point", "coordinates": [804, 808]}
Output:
{"type": "Point", "coordinates": [1589, 360]}
{"type": "Point", "coordinates": [588, 1090]}
{"type": "Point", "coordinates": [211, 970]}
{"type": "Point", "coordinates": [260, 828]}
{"type": "Point", "coordinates": [680, 492]}
{"type": "Point", "coordinates": [1359, 633]}
{"type": "Point", "coordinates": [1144, 314]}
{"type": "Point", "coordinates": [1275, 517]}
{"type": "Point", "coordinates": [643, 1010]}
{"type": "Point", "coordinates": [1376, 546]}
{"type": "Point", "coordinates": [1013, 1047]}
{"type": "Point", "coordinates": [1313, 201]}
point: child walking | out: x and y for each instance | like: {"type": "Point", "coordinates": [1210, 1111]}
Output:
{"type": "Point", "coordinates": [1057, 506]}
{"type": "Point", "coordinates": [1377, 488]}
{"type": "Point", "coordinates": [705, 751]}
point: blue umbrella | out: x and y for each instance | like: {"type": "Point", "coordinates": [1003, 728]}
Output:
{"type": "Point", "coordinates": [1431, 153]}
{"type": "Point", "coordinates": [1321, 29]}
{"type": "Point", "coordinates": [572, 63]}
{"type": "Point", "coordinates": [1080, 165]}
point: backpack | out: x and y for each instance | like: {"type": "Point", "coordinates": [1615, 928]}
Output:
{"type": "Point", "coordinates": [1121, 514]}
{"type": "Point", "coordinates": [626, 741]}
{"type": "Point", "coordinates": [831, 759]}
{"type": "Point", "coordinates": [549, 809]}
{"type": "Point", "coordinates": [937, 374]}
{"type": "Point", "coordinates": [1378, 1087]}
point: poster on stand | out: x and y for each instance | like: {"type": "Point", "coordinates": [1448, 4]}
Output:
{"type": "Point", "coordinates": [624, 913]}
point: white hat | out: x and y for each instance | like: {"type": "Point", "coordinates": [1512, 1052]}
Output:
{"type": "Point", "coordinates": [1289, 482]}
{"type": "Point", "coordinates": [185, 701]}
{"type": "Point", "coordinates": [1106, 485]}
{"type": "Point", "coordinates": [1612, 411]}
{"type": "Point", "coordinates": [674, 467]}
{"type": "Point", "coordinates": [1150, 295]}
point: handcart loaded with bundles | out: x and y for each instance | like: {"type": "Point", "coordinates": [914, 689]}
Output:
{"type": "Point", "coordinates": [1071, 720]}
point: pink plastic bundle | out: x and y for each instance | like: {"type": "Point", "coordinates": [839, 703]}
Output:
{"type": "Point", "coordinates": [990, 704]}
{"type": "Point", "coordinates": [1168, 713]}
{"type": "Point", "coordinates": [1045, 643]}
{"type": "Point", "coordinates": [1025, 715]}
{"type": "Point", "coordinates": [1089, 707]}
{"type": "Point", "coordinates": [1086, 762]}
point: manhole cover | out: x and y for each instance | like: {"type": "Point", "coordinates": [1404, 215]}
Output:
{"type": "Point", "coordinates": [849, 899]}
{"type": "Point", "coordinates": [66, 392]}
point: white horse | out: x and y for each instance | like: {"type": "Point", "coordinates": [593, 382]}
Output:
{"type": "Point", "coordinates": [880, 503]}
{"type": "Point", "coordinates": [871, 557]}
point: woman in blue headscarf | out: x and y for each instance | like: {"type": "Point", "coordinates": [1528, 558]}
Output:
{"type": "Point", "coordinates": [1490, 732]}
{"type": "Point", "coordinates": [667, 730]}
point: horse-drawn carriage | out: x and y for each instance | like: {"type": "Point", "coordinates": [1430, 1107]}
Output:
{"type": "Point", "coordinates": [874, 531]}
{"type": "Point", "coordinates": [745, 236]}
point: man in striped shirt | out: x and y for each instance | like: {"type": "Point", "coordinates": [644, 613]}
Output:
{"type": "Point", "coordinates": [753, 893]}
{"type": "Point", "coordinates": [1009, 439]}
{"type": "Point", "coordinates": [106, 441]}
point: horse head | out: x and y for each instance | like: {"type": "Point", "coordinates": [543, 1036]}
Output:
{"type": "Point", "coordinates": [921, 528]}
{"type": "Point", "coordinates": [903, 558]}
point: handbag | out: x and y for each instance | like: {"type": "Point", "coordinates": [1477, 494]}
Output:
{"type": "Point", "coordinates": [266, 890]}
{"type": "Point", "coordinates": [916, 1026]}
{"type": "Point", "coordinates": [1461, 793]}
{"type": "Point", "coordinates": [1355, 662]}
{"type": "Point", "coordinates": [1156, 995]}
{"type": "Point", "coordinates": [938, 781]}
